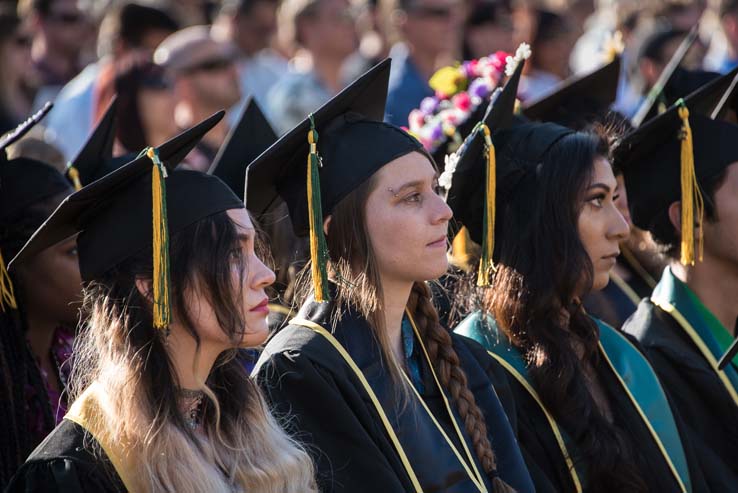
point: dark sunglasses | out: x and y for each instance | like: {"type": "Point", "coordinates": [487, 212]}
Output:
{"type": "Point", "coordinates": [211, 65]}
{"type": "Point", "coordinates": [23, 41]}
{"type": "Point", "coordinates": [66, 17]}
{"type": "Point", "coordinates": [432, 12]}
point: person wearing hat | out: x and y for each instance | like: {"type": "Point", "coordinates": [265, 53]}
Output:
{"type": "Point", "coordinates": [205, 79]}
{"type": "Point", "coordinates": [38, 305]}
{"type": "Point", "coordinates": [681, 170]}
{"type": "Point", "coordinates": [539, 198]}
{"type": "Point", "coordinates": [172, 289]}
{"type": "Point", "coordinates": [383, 396]}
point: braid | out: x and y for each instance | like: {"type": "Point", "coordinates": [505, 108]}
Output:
{"type": "Point", "coordinates": [452, 377]}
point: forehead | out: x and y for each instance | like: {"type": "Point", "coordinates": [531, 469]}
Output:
{"type": "Point", "coordinates": [242, 219]}
{"type": "Point", "coordinates": [602, 172]}
{"type": "Point", "coordinates": [410, 167]}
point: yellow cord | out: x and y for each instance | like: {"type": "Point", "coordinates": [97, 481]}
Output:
{"type": "Point", "coordinates": [486, 263]}
{"type": "Point", "coordinates": [160, 243]}
{"type": "Point", "coordinates": [692, 202]}
{"type": "Point", "coordinates": [73, 174]}
{"type": "Point", "coordinates": [7, 294]}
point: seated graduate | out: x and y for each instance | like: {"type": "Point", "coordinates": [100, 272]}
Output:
{"type": "Point", "coordinates": [159, 402]}
{"type": "Point", "coordinates": [540, 200]}
{"type": "Point", "coordinates": [384, 397]}
{"type": "Point", "coordinates": [682, 169]}
{"type": "Point", "coordinates": [38, 305]}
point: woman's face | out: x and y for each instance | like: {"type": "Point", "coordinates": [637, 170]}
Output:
{"type": "Point", "coordinates": [250, 274]}
{"type": "Point", "coordinates": [52, 284]}
{"type": "Point", "coordinates": [601, 225]}
{"type": "Point", "coordinates": [156, 107]}
{"type": "Point", "coordinates": [407, 221]}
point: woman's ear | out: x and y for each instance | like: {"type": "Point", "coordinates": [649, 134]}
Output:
{"type": "Point", "coordinates": [326, 224]}
{"type": "Point", "coordinates": [675, 217]}
{"type": "Point", "coordinates": [145, 288]}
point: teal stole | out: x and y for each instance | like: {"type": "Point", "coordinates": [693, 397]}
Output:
{"type": "Point", "coordinates": [706, 332]}
{"type": "Point", "coordinates": [633, 372]}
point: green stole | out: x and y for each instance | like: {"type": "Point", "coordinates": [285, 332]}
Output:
{"type": "Point", "coordinates": [699, 324]}
{"type": "Point", "coordinates": [634, 374]}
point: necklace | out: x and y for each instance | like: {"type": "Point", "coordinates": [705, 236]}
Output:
{"type": "Point", "coordinates": [191, 402]}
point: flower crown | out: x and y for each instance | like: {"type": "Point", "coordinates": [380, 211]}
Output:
{"type": "Point", "coordinates": [459, 91]}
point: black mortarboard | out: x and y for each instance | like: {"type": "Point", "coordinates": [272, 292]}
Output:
{"type": "Point", "coordinates": [474, 176]}
{"type": "Point", "coordinates": [579, 100]}
{"type": "Point", "coordinates": [649, 107]}
{"type": "Point", "coordinates": [682, 142]}
{"type": "Point", "coordinates": [23, 182]}
{"type": "Point", "coordinates": [113, 215]}
{"type": "Point", "coordinates": [95, 159]}
{"type": "Point", "coordinates": [26, 181]}
{"type": "Point", "coordinates": [345, 142]}
{"type": "Point", "coordinates": [251, 136]}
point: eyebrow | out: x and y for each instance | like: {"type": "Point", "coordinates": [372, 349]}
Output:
{"type": "Point", "coordinates": [245, 234]}
{"type": "Point", "coordinates": [600, 185]}
{"type": "Point", "coordinates": [413, 183]}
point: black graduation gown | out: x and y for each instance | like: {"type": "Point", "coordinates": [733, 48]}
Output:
{"type": "Point", "coordinates": [69, 460]}
{"type": "Point", "coordinates": [307, 381]}
{"type": "Point", "coordinates": [709, 413]}
{"type": "Point", "coordinates": [538, 441]}
{"type": "Point", "coordinates": [546, 463]}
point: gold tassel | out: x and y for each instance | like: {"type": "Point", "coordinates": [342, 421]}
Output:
{"type": "Point", "coordinates": [74, 176]}
{"type": "Point", "coordinates": [488, 239]}
{"type": "Point", "coordinates": [7, 294]}
{"type": "Point", "coordinates": [318, 247]}
{"type": "Point", "coordinates": [160, 243]}
{"type": "Point", "coordinates": [693, 206]}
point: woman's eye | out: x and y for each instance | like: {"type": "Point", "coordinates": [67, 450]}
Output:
{"type": "Point", "coordinates": [72, 252]}
{"type": "Point", "coordinates": [615, 197]}
{"type": "Point", "coordinates": [597, 201]}
{"type": "Point", "coordinates": [413, 197]}
{"type": "Point", "coordinates": [438, 190]}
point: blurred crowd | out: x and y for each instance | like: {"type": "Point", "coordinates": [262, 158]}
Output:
{"type": "Point", "coordinates": [174, 62]}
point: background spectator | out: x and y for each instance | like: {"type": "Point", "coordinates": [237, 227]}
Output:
{"type": "Point", "coordinates": [15, 53]}
{"type": "Point", "coordinates": [322, 34]}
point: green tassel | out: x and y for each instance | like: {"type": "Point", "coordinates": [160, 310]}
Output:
{"type": "Point", "coordinates": [318, 246]}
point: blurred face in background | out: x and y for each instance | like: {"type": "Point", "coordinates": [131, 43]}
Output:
{"type": "Point", "coordinates": [433, 25]}
{"type": "Point", "coordinates": [213, 82]}
{"type": "Point", "coordinates": [157, 113]}
{"type": "Point", "coordinates": [253, 30]}
{"type": "Point", "coordinates": [329, 29]}
{"type": "Point", "coordinates": [16, 55]}
{"type": "Point", "coordinates": [488, 29]}
{"type": "Point", "coordinates": [67, 28]}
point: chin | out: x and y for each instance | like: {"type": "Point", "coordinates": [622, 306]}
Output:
{"type": "Point", "coordinates": [255, 335]}
{"type": "Point", "coordinates": [600, 280]}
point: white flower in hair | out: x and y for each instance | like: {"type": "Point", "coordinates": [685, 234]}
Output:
{"type": "Point", "coordinates": [522, 53]}
{"type": "Point", "coordinates": [448, 170]}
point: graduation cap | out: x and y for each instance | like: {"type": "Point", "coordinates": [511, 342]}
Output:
{"type": "Point", "coordinates": [113, 216]}
{"type": "Point", "coordinates": [95, 159]}
{"type": "Point", "coordinates": [476, 164]}
{"type": "Point", "coordinates": [578, 100]}
{"type": "Point", "coordinates": [23, 182]}
{"type": "Point", "coordinates": [649, 106]}
{"type": "Point", "coordinates": [680, 150]}
{"type": "Point", "coordinates": [345, 142]}
{"type": "Point", "coordinates": [245, 142]}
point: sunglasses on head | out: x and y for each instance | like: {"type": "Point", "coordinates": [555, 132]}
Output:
{"type": "Point", "coordinates": [211, 65]}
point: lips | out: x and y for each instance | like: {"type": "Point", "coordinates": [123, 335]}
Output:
{"type": "Point", "coordinates": [261, 307]}
{"type": "Point", "coordinates": [441, 241]}
{"type": "Point", "coordinates": [612, 256]}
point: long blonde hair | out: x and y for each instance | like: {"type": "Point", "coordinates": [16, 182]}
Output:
{"type": "Point", "coordinates": [242, 447]}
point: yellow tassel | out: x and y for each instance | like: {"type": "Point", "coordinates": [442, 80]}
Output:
{"type": "Point", "coordinates": [318, 248]}
{"type": "Point", "coordinates": [74, 176]}
{"type": "Point", "coordinates": [461, 250]}
{"type": "Point", "coordinates": [693, 206]}
{"type": "Point", "coordinates": [7, 294]}
{"type": "Point", "coordinates": [488, 239]}
{"type": "Point", "coordinates": [160, 243]}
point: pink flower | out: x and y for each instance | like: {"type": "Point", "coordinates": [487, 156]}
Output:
{"type": "Point", "coordinates": [416, 119]}
{"type": "Point", "coordinates": [462, 101]}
